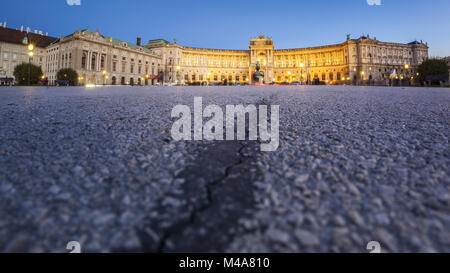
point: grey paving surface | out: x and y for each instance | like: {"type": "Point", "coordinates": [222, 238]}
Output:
{"type": "Point", "coordinates": [355, 164]}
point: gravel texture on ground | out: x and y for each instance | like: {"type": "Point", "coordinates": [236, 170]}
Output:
{"type": "Point", "coordinates": [99, 166]}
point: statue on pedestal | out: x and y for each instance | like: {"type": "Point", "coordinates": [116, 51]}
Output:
{"type": "Point", "coordinates": [258, 76]}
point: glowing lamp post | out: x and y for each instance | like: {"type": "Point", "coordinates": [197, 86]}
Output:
{"type": "Point", "coordinates": [104, 77]}
{"type": "Point", "coordinates": [302, 65]}
{"type": "Point", "coordinates": [178, 74]}
{"type": "Point", "coordinates": [30, 54]}
{"type": "Point", "coordinates": [407, 71]}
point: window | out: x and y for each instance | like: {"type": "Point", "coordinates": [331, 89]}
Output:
{"type": "Point", "coordinates": [131, 68]}
{"type": "Point", "coordinates": [93, 62]}
{"type": "Point", "coordinates": [83, 61]}
{"type": "Point", "coordinates": [102, 62]}
{"type": "Point", "coordinates": [123, 67]}
{"type": "Point", "coordinates": [114, 66]}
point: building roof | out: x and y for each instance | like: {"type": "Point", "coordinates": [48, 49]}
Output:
{"type": "Point", "coordinates": [13, 36]}
{"type": "Point", "coordinates": [115, 41]}
{"type": "Point", "coordinates": [157, 42]}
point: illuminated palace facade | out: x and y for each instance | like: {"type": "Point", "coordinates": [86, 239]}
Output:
{"type": "Point", "coordinates": [358, 60]}
{"type": "Point", "coordinates": [100, 59]}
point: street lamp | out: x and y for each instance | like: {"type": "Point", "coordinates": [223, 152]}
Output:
{"type": "Point", "coordinates": [104, 76]}
{"type": "Point", "coordinates": [407, 71]}
{"type": "Point", "coordinates": [178, 74]}
{"type": "Point", "coordinates": [30, 54]}
{"type": "Point", "coordinates": [302, 65]}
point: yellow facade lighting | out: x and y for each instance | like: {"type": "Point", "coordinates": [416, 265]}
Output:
{"type": "Point", "coordinates": [30, 47]}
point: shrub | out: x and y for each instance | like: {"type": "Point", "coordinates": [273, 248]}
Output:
{"type": "Point", "coordinates": [68, 74]}
{"type": "Point", "coordinates": [21, 74]}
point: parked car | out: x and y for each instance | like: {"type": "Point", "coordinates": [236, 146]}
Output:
{"type": "Point", "coordinates": [62, 83]}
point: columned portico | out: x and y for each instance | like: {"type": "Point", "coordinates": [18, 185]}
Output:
{"type": "Point", "coordinates": [261, 51]}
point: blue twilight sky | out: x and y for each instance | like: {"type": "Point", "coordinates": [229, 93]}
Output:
{"type": "Point", "coordinates": [230, 23]}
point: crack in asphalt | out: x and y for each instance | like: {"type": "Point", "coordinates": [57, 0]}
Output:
{"type": "Point", "coordinates": [195, 214]}
{"type": "Point", "coordinates": [216, 193]}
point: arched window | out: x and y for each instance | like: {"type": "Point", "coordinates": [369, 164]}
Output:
{"type": "Point", "coordinates": [331, 76]}
{"type": "Point", "coordinates": [83, 61]}
{"type": "Point", "coordinates": [93, 62]}
{"type": "Point", "coordinates": [102, 62]}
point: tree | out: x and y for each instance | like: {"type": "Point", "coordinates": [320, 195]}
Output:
{"type": "Point", "coordinates": [433, 67]}
{"type": "Point", "coordinates": [68, 74]}
{"type": "Point", "coordinates": [21, 74]}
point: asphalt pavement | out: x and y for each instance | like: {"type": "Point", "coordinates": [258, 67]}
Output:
{"type": "Point", "coordinates": [99, 166]}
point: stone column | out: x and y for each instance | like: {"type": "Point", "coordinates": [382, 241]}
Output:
{"type": "Point", "coordinates": [99, 57]}
{"type": "Point", "coordinates": [88, 61]}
